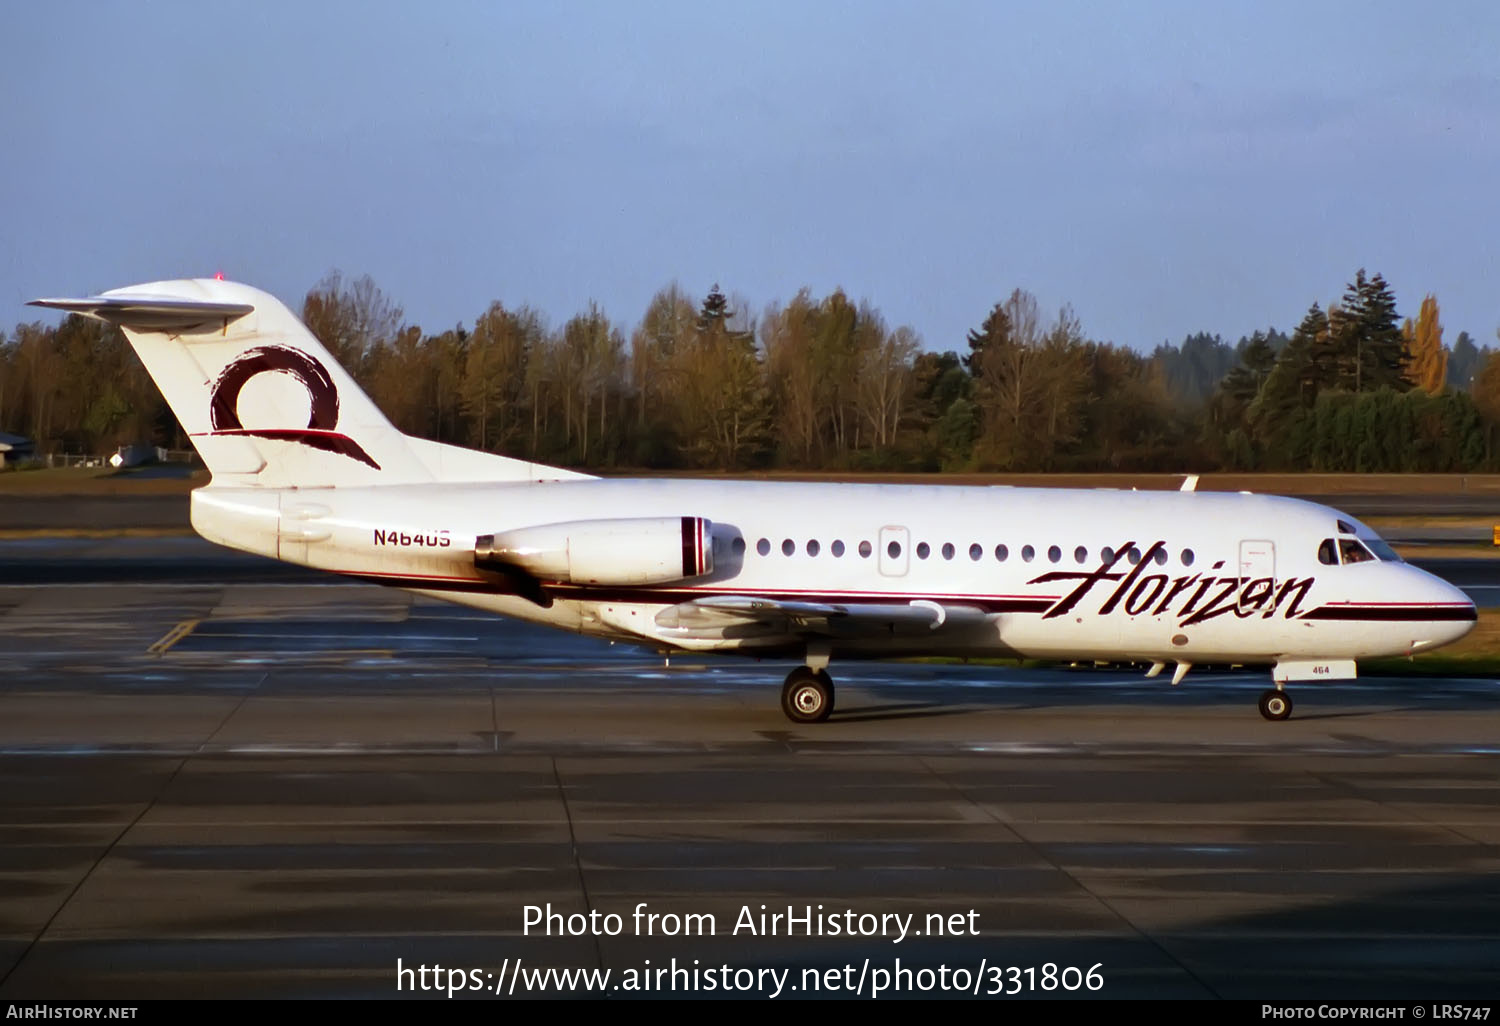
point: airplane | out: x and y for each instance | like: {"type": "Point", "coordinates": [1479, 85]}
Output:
{"type": "Point", "coordinates": [305, 469]}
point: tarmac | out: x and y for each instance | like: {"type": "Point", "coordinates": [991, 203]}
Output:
{"type": "Point", "coordinates": [221, 779]}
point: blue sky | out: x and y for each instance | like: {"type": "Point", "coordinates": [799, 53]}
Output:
{"type": "Point", "coordinates": [1164, 167]}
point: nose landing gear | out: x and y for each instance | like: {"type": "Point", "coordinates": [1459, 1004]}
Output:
{"type": "Point", "coordinates": [1275, 704]}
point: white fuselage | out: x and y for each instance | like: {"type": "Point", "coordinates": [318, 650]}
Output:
{"type": "Point", "coordinates": [1215, 577]}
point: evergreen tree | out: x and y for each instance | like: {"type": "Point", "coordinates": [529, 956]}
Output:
{"type": "Point", "coordinates": [1486, 396]}
{"type": "Point", "coordinates": [715, 312]}
{"type": "Point", "coordinates": [1230, 422]}
{"type": "Point", "coordinates": [1366, 337]}
{"type": "Point", "coordinates": [938, 381]}
{"type": "Point", "coordinates": [1463, 362]}
{"type": "Point", "coordinates": [1275, 339]}
{"type": "Point", "coordinates": [1243, 383]}
{"type": "Point", "coordinates": [1278, 412]}
{"type": "Point", "coordinates": [995, 331]}
{"type": "Point", "coordinates": [1192, 370]}
{"type": "Point", "coordinates": [1319, 369]}
{"type": "Point", "coordinates": [955, 434]}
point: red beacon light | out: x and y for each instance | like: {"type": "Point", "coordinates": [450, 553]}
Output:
{"type": "Point", "coordinates": [218, 276]}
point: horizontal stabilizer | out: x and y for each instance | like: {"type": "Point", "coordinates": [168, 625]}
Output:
{"type": "Point", "coordinates": [149, 313]}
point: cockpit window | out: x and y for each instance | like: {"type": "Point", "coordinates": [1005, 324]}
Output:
{"type": "Point", "coordinates": [1328, 554]}
{"type": "Point", "coordinates": [1383, 552]}
{"type": "Point", "coordinates": [1346, 528]}
{"type": "Point", "coordinates": [1353, 552]}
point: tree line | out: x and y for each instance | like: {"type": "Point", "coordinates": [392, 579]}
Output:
{"type": "Point", "coordinates": [825, 383]}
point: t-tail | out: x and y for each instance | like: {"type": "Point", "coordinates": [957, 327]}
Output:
{"type": "Point", "coordinates": [264, 403]}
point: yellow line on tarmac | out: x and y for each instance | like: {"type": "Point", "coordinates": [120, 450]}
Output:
{"type": "Point", "coordinates": [173, 636]}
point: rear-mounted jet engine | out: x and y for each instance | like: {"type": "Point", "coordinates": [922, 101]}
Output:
{"type": "Point", "coordinates": [652, 550]}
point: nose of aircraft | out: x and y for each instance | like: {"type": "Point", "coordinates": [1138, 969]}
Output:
{"type": "Point", "coordinates": [1453, 612]}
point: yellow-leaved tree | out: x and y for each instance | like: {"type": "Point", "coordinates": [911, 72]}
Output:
{"type": "Point", "coordinates": [1427, 360]}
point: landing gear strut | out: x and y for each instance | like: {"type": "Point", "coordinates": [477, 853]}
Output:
{"type": "Point", "coordinates": [1275, 704]}
{"type": "Point", "coordinates": [807, 695]}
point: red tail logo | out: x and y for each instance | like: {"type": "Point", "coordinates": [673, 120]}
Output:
{"type": "Point", "coordinates": [323, 401]}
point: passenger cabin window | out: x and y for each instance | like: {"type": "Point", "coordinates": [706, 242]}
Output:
{"type": "Point", "coordinates": [1028, 553]}
{"type": "Point", "coordinates": [1328, 555]}
{"type": "Point", "coordinates": [788, 547]}
{"type": "Point", "coordinates": [1080, 555]}
{"type": "Point", "coordinates": [976, 552]}
{"type": "Point", "coordinates": [1002, 553]}
{"type": "Point", "coordinates": [948, 550]}
{"type": "Point", "coordinates": [837, 548]}
{"type": "Point", "coordinates": [812, 547]}
{"type": "Point", "coordinates": [923, 550]}
{"type": "Point", "coordinates": [1054, 554]}
{"type": "Point", "coordinates": [893, 550]}
{"type": "Point", "coordinates": [763, 547]}
{"type": "Point", "coordinates": [1186, 557]}
{"type": "Point", "coordinates": [865, 548]}
{"type": "Point", "coordinates": [1353, 552]}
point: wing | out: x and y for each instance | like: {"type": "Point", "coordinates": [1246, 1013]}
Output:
{"type": "Point", "coordinates": [744, 616]}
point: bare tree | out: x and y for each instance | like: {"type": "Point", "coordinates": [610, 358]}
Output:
{"type": "Point", "coordinates": [884, 383]}
{"type": "Point", "coordinates": [722, 407]}
{"type": "Point", "coordinates": [787, 334]}
{"type": "Point", "coordinates": [350, 320]}
{"type": "Point", "coordinates": [495, 366]}
{"type": "Point", "coordinates": [665, 329]}
{"type": "Point", "coordinates": [592, 356]}
{"type": "Point", "coordinates": [1029, 385]}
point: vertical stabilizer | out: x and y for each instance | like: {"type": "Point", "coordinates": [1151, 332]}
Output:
{"type": "Point", "coordinates": [263, 401]}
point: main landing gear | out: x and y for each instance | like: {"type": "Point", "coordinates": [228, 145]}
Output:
{"type": "Point", "coordinates": [807, 695]}
{"type": "Point", "coordinates": [1275, 704]}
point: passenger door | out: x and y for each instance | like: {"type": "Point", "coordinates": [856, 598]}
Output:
{"type": "Point", "coordinates": [1257, 561]}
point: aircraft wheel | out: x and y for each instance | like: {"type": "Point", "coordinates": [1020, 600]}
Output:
{"type": "Point", "coordinates": [807, 695]}
{"type": "Point", "coordinates": [1275, 705]}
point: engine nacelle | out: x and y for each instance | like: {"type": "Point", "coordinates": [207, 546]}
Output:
{"type": "Point", "coordinates": [649, 550]}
